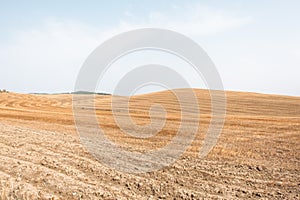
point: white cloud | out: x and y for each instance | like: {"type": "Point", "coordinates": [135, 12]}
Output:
{"type": "Point", "coordinates": [193, 20]}
{"type": "Point", "coordinates": [47, 58]}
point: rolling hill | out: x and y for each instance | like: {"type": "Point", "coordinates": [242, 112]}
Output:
{"type": "Point", "coordinates": [257, 154]}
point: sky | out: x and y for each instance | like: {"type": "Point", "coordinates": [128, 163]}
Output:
{"type": "Point", "coordinates": [255, 45]}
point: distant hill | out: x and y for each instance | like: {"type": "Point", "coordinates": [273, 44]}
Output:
{"type": "Point", "coordinates": [87, 92]}
{"type": "Point", "coordinates": [77, 92]}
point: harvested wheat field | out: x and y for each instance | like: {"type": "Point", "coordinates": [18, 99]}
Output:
{"type": "Point", "coordinates": [257, 155]}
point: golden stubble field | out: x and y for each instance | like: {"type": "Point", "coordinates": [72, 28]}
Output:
{"type": "Point", "coordinates": [257, 155]}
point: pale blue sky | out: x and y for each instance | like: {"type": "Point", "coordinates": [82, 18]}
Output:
{"type": "Point", "coordinates": [255, 45]}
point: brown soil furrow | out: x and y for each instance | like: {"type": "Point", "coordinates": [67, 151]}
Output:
{"type": "Point", "coordinates": [257, 155]}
